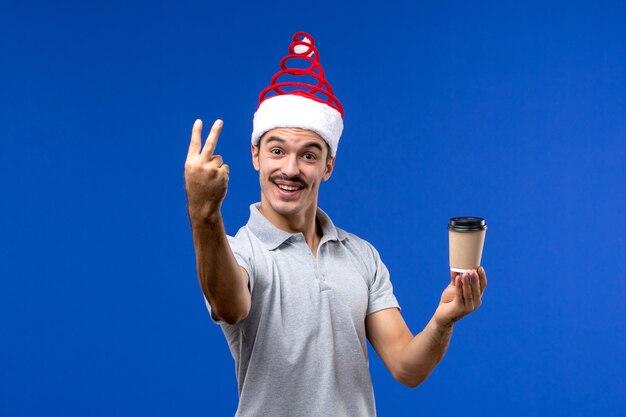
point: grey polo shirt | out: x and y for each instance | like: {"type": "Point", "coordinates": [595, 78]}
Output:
{"type": "Point", "coordinates": [302, 349]}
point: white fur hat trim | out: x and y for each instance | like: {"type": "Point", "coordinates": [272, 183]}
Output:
{"type": "Point", "coordinates": [291, 110]}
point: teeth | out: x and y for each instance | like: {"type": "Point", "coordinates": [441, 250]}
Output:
{"type": "Point", "coordinates": [288, 188]}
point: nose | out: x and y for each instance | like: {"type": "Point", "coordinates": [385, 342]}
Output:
{"type": "Point", "coordinates": [290, 168]}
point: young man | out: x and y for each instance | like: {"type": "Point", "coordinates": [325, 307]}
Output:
{"type": "Point", "coordinates": [297, 297]}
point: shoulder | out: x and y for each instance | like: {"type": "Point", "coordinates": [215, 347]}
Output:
{"type": "Point", "coordinates": [361, 250]}
{"type": "Point", "coordinates": [247, 248]}
{"type": "Point", "coordinates": [245, 241]}
{"type": "Point", "coordinates": [356, 243]}
{"type": "Point", "coordinates": [242, 237]}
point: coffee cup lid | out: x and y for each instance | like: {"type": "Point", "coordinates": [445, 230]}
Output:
{"type": "Point", "coordinates": [467, 224]}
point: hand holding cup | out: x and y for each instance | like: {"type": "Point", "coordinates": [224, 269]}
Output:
{"type": "Point", "coordinates": [468, 278]}
{"type": "Point", "coordinates": [461, 297]}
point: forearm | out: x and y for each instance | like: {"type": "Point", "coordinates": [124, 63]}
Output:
{"type": "Point", "coordinates": [410, 358]}
{"type": "Point", "coordinates": [222, 281]}
{"type": "Point", "coordinates": [422, 354]}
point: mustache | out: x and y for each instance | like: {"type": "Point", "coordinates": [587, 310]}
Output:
{"type": "Point", "coordinates": [296, 179]}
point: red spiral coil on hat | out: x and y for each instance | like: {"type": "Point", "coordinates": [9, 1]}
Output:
{"type": "Point", "coordinates": [302, 48]}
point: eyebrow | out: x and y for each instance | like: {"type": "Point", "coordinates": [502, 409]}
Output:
{"type": "Point", "coordinates": [283, 141]}
{"type": "Point", "coordinates": [276, 139]}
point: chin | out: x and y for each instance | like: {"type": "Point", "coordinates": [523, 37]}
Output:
{"type": "Point", "coordinates": [287, 208]}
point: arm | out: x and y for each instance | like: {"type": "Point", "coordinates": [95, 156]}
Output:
{"type": "Point", "coordinates": [223, 282]}
{"type": "Point", "coordinates": [411, 359]}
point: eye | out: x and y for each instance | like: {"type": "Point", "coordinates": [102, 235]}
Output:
{"type": "Point", "coordinates": [310, 156]}
{"type": "Point", "coordinates": [276, 151]}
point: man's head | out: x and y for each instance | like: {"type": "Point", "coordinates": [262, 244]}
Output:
{"type": "Point", "coordinates": [296, 131]}
{"type": "Point", "coordinates": [292, 163]}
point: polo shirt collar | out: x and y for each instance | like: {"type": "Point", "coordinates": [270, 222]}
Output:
{"type": "Point", "coordinates": [273, 237]}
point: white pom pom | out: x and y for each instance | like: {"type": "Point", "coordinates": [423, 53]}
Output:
{"type": "Point", "coordinates": [300, 49]}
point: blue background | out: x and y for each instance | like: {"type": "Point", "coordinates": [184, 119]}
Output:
{"type": "Point", "coordinates": [514, 111]}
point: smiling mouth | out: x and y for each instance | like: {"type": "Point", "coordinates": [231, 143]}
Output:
{"type": "Point", "coordinates": [289, 188]}
{"type": "Point", "coordinates": [285, 189]}
{"type": "Point", "coordinates": [288, 185]}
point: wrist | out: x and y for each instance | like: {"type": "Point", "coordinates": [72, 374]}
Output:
{"type": "Point", "coordinates": [440, 329]}
{"type": "Point", "coordinates": [204, 214]}
{"type": "Point", "coordinates": [205, 221]}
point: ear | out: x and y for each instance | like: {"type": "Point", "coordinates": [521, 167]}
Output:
{"type": "Point", "coordinates": [330, 165]}
{"type": "Point", "coordinates": [255, 156]}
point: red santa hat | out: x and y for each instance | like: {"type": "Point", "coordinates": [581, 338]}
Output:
{"type": "Point", "coordinates": [300, 96]}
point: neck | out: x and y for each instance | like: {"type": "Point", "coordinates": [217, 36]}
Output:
{"type": "Point", "coordinates": [303, 222]}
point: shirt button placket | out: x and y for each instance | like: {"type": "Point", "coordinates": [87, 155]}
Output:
{"type": "Point", "coordinates": [321, 271]}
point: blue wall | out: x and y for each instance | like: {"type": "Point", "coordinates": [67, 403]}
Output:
{"type": "Point", "coordinates": [508, 110]}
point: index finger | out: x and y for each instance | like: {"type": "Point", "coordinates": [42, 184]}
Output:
{"type": "Point", "coordinates": [211, 140]}
{"type": "Point", "coordinates": [196, 140]}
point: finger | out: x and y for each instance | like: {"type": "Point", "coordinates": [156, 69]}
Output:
{"type": "Point", "coordinates": [458, 284]}
{"type": "Point", "coordinates": [225, 168]}
{"type": "Point", "coordinates": [211, 140]}
{"type": "Point", "coordinates": [482, 277]}
{"type": "Point", "coordinates": [217, 160]}
{"type": "Point", "coordinates": [467, 292]}
{"type": "Point", "coordinates": [196, 141]}
{"type": "Point", "coordinates": [475, 288]}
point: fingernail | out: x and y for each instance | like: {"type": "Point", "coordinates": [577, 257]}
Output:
{"type": "Point", "coordinates": [218, 122]}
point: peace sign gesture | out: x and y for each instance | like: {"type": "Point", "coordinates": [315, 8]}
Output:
{"type": "Point", "coordinates": [206, 175]}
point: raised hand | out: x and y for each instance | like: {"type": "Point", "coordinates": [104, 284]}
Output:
{"type": "Point", "coordinates": [206, 174]}
{"type": "Point", "coordinates": [462, 296]}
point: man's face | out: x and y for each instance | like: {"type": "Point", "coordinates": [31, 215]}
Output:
{"type": "Point", "coordinates": [292, 163]}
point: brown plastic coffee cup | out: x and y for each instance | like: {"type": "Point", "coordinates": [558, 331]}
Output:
{"type": "Point", "coordinates": [467, 237]}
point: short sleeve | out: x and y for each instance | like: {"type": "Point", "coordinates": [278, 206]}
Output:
{"type": "Point", "coordinates": [242, 250]}
{"type": "Point", "coordinates": [380, 289]}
